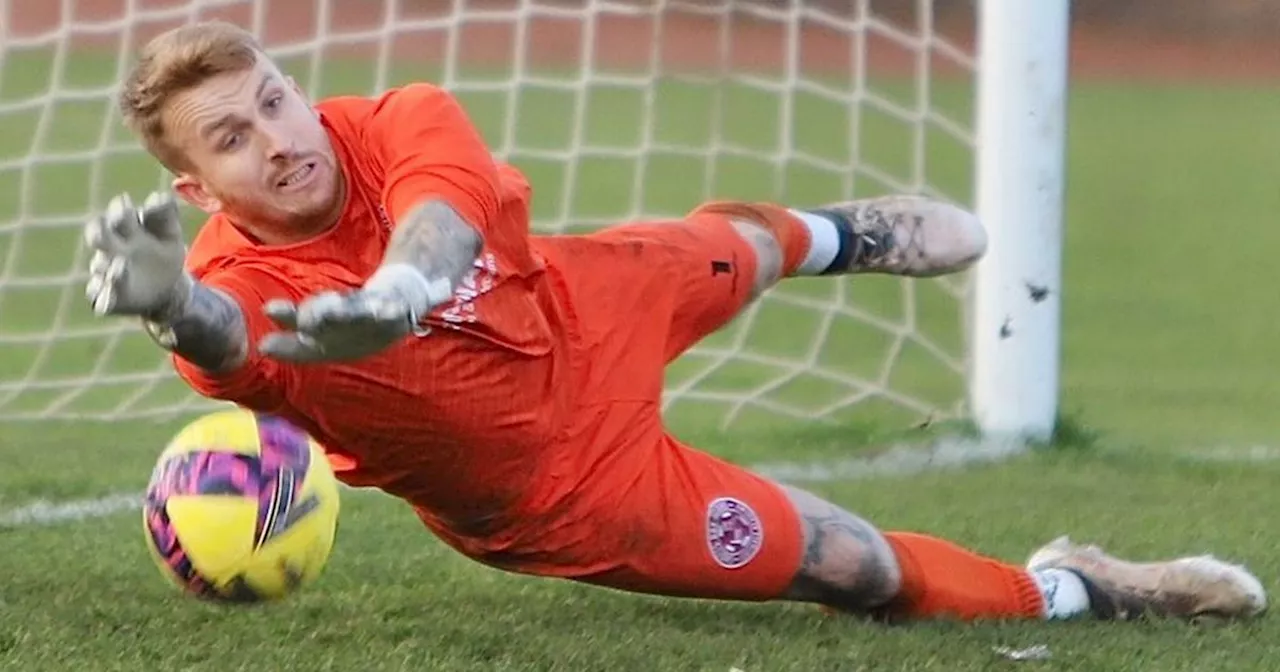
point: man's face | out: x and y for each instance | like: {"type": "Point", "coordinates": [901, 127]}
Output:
{"type": "Point", "coordinates": [255, 150]}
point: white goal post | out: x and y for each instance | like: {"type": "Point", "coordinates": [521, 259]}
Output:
{"type": "Point", "coordinates": [617, 110]}
{"type": "Point", "coordinates": [1022, 103]}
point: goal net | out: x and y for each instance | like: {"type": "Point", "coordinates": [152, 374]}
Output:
{"type": "Point", "coordinates": [616, 110]}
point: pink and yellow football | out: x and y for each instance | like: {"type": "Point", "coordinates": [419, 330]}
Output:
{"type": "Point", "coordinates": [241, 507]}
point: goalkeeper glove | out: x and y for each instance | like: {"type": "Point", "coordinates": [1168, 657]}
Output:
{"type": "Point", "coordinates": [138, 259]}
{"type": "Point", "coordinates": [333, 327]}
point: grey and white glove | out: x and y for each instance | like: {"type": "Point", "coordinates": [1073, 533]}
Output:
{"type": "Point", "coordinates": [138, 263]}
{"type": "Point", "coordinates": [334, 326]}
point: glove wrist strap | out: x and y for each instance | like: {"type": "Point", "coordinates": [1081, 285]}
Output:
{"type": "Point", "coordinates": [158, 323]}
{"type": "Point", "coordinates": [419, 292]}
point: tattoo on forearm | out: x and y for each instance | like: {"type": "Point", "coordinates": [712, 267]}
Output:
{"type": "Point", "coordinates": [209, 331]}
{"type": "Point", "coordinates": [435, 240]}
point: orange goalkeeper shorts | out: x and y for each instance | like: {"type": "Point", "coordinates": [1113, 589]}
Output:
{"type": "Point", "coordinates": [618, 501]}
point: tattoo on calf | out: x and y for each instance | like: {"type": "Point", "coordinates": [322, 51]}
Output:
{"type": "Point", "coordinates": [768, 255]}
{"type": "Point", "coordinates": [846, 563]}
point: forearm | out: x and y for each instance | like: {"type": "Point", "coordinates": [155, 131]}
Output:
{"type": "Point", "coordinates": [207, 329]}
{"type": "Point", "coordinates": [437, 243]}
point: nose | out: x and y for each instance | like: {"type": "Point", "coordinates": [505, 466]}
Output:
{"type": "Point", "coordinates": [280, 144]}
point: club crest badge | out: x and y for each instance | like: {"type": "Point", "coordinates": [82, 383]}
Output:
{"type": "Point", "coordinates": [734, 533]}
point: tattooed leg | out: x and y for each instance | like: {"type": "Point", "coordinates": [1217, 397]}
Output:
{"type": "Point", "coordinates": [768, 251]}
{"type": "Point", "coordinates": [847, 563]}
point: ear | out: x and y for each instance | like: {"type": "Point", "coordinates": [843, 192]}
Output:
{"type": "Point", "coordinates": [192, 191]}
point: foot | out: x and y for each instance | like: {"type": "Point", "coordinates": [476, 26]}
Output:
{"type": "Point", "coordinates": [910, 235]}
{"type": "Point", "coordinates": [1190, 588]}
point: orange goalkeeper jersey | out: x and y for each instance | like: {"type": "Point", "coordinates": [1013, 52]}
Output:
{"type": "Point", "coordinates": [478, 397]}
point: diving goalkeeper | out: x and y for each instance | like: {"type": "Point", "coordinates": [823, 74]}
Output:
{"type": "Point", "coordinates": [367, 272]}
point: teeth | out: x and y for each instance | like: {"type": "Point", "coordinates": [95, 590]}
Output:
{"type": "Point", "coordinates": [297, 175]}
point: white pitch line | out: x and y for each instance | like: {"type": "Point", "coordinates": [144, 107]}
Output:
{"type": "Point", "coordinates": [44, 512]}
{"type": "Point", "coordinates": [1259, 453]}
{"type": "Point", "coordinates": [901, 460]}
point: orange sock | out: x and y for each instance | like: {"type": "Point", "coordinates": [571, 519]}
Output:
{"type": "Point", "coordinates": [940, 579]}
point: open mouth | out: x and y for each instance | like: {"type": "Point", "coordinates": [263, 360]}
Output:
{"type": "Point", "coordinates": [297, 175]}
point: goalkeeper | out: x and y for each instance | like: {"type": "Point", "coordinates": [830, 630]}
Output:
{"type": "Point", "coordinates": [368, 273]}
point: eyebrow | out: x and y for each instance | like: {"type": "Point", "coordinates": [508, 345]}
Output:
{"type": "Point", "coordinates": [229, 118]}
{"type": "Point", "coordinates": [266, 79]}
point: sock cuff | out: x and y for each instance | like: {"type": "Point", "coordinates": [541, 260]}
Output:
{"type": "Point", "coordinates": [1027, 593]}
{"type": "Point", "coordinates": [792, 235]}
{"type": "Point", "coordinates": [847, 245]}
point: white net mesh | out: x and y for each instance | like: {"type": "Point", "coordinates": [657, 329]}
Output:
{"type": "Point", "coordinates": [616, 110]}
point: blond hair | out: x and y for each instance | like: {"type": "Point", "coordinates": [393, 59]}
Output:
{"type": "Point", "coordinates": [174, 62]}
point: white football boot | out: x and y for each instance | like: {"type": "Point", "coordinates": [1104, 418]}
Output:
{"type": "Point", "coordinates": [911, 236]}
{"type": "Point", "coordinates": [1188, 588]}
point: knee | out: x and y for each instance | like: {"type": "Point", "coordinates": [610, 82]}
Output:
{"type": "Point", "coordinates": [768, 253]}
{"type": "Point", "coordinates": [846, 562]}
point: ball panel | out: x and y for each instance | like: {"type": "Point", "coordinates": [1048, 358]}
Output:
{"type": "Point", "coordinates": [167, 552]}
{"type": "Point", "coordinates": [215, 532]}
{"type": "Point", "coordinates": [284, 459]}
{"type": "Point", "coordinates": [233, 430]}
{"type": "Point", "coordinates": [207, 472]}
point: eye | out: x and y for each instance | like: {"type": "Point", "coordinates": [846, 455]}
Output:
{"type": "Point", "coordinates": [273, 101]}
{"type": "Point", "coordinates": [229, 141]}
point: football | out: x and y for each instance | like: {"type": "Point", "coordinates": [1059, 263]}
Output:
{"type": "Point", "coordinates": [241, 508]}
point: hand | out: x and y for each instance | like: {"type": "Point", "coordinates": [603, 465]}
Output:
{"type": "Point", "coordinates": [335, 327]}
{"type": "Point", "coordinates": [138, 260]}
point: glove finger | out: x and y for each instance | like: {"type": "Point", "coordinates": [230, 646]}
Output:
{"type": "Point", "coordinates": [99, 237]}
{"type": "Point", "coordinates": [116, 270]}
{"type": "Point", "coordinates": [160, 217]}
{"type": "Point", "coordinates": [105, 300]}
{"type": "Point", "coordinates": [325, 310]}
{"type": "Point", "coordinates": [98, 263]}
{"type": "Point", "coordinates": [108, 286]}
{"type": "Point", "coordinates": [122, 217]}
{"type": "Point", "coordinates": [294, 347]}
{"type": "Point", "coordinates": [283, 313]}
{"type": "Point", "coordinates": [93, 287]}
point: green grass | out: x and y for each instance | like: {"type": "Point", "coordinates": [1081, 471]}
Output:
{"type": "Point", "coordinates": [1168, 326]}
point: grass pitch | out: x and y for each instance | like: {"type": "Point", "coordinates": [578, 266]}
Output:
{"type": "Point", "coordinates": [1167, 351]}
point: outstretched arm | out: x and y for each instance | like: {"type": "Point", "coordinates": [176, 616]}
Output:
{"type": "Point", "coordinates": [441, 188]}
{"type": "Point", "coordinates": [208, 330]}
{"type": "Point", "coordinates": [435, 241]}
{"type": "Point", "coordinates": [432, 248]}
{"type": "Point", "coordinates": [138, 269]}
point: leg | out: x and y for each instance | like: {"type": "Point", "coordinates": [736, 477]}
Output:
{"type": "Point", "coordinates": [850, 566]}
{"type": "Point", "coordinates": [687, 278]}
{"type": "Point", "coordinates": [692, 525]}
{"type": "Point", "coordinates": [898, 235]}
